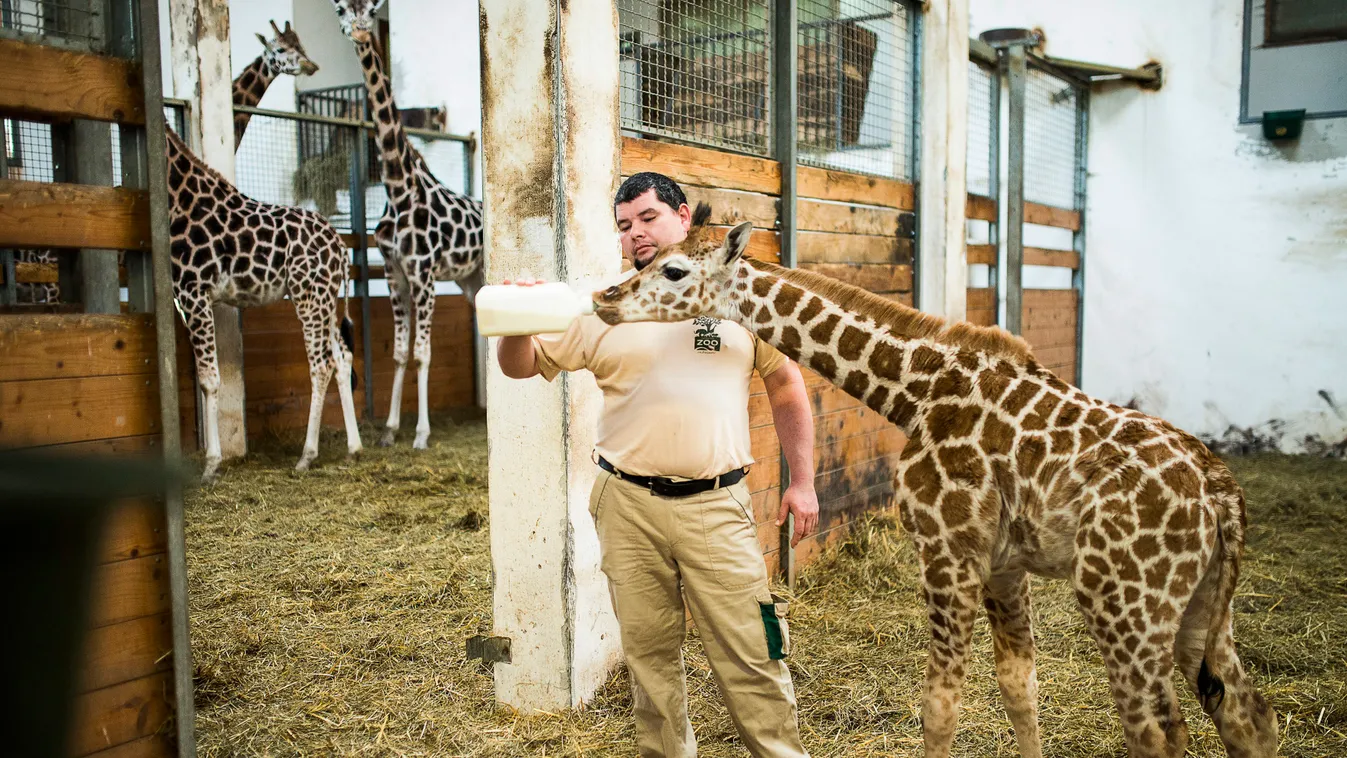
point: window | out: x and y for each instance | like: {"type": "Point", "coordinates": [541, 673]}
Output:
{"type": "Point", "coordinates": [1292, 58]}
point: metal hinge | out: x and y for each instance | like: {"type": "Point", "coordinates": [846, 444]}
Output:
{"type": "Point", "coordinates": [489, 649]}
{"type": "Point", "coordinates": [907, 225]}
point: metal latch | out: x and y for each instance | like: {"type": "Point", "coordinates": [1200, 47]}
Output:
{"type": "Point", "coordinates": [489, 649]}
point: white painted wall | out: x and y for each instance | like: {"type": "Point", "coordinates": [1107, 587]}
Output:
{"type": "Point", "coordinates": [316, 24]}
{"type": "Point", "coordinates": [1217, 262]}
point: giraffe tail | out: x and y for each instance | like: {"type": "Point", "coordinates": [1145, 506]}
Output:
{"type": "Point", "coordinates": [1230, 543]}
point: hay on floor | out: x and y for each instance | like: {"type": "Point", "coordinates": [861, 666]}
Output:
{"type": "Point", "coordinates": [330, 610]}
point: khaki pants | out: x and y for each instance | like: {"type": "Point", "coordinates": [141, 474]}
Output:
{"type": "Point", "coordinates": [709, 542]}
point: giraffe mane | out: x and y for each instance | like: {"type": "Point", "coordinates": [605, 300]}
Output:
{"type": "Point", "coordinates": [196, 162]}
{"type": "Point", "coordinates": [901, 320]}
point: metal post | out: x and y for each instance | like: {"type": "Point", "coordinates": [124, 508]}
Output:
{"type": "Point", "coordinates": [358, 230]}
{"type": "Point", "coordinates": [994, 189]}
{"type": "Point", "coordinates": [121, 35]}
{"type": "Point", "coordinates": [914, 150]}
{"type": "Point", "coordinates": [1078, 239]}
{"type": "Point", "coordinates": [9, 292]}
{"type": "Point", "coordinates": [785, 120]}
{"type": "Point", "coordinates": [1017, 74]}
{"type": "Point", "coordinates": [166, 337]}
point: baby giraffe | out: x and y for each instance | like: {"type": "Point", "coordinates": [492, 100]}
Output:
{"type": "Point", "coordinates": [1009, 470]}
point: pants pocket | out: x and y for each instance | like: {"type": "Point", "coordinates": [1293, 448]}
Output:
{"type": "Point", "coordinates": [775, 627]}
{"type": "Point", "coordinates": [732, 548]}
{"type": "Point", "coordinates": [596, 494]}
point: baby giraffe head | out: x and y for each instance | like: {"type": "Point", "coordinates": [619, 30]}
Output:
{"type": "Point", "coordinates": [357, 17]}
{"type": "Point", "coordinates": [684, 280]}
{"type": "Point", "coordinates": [285, 54]}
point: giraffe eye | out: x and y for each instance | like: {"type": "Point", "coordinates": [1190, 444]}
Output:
{"type": "Point", "coordinates": [674, 274]}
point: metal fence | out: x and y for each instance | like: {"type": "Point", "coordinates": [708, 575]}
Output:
{"type": "Point", "coordinates": [984, 118]}
{"type": "Point", "coordinates": [701, 71]}
{"type": "Point", "coordinates": [1052, 133]}
{"type": "Point", "coordinates": [75, 24]}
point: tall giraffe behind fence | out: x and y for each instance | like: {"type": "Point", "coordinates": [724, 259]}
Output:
{"type": "Point", "coordinates": [427, 231]}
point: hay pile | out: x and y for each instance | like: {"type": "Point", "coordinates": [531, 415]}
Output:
{"type": "Point", "coordinates": [330, 610]}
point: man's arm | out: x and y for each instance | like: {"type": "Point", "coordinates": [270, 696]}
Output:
{"type": "Point", "coordinates": [793, 417]}
{"type": "Point", "coordinates": [517, 356]}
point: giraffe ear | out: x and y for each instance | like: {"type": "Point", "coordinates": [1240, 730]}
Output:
{"type": "Point", "coordinates": [266, 43]}
{"type": "Point", "coordinates": [736, 242]}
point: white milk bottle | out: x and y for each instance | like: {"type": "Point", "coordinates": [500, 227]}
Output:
{"type": "Point", "coordinates": [507, 310]}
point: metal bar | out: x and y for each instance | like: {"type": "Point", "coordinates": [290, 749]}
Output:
{"type": "Point", "coordinates": [139, 268]}
{"type": "Point", "coordinates": [359, 225]}
{"type": "Point", "coordinates": [315, 118]}
{"type": "Point", "coordinates": [914, 150]}
{"type": "Point", "coordinates": [166, 338]}
{"type": "Point", "coordinates": [1017, 74]}
{"type": "Point", "coordinates": [784, 123]}
{"type": "Point", "coordinates": [1150, 75]}
{"type": "Point", "coordinates": [981, 52]}
{"type": "Point", "coordinates": [9, 293]}
{"type": "Point", "coordinates": [994, 182]}
{"type": "Point", "coordinates": [469, 156]}
{"type": "Point", "coordinates": [1078, 238]}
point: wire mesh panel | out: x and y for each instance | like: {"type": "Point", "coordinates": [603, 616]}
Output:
{"type": "Point", "coordinates": [982, 131]}
{"type": "Point", "coordinates": [71, 23]}
{"type": "Point", "coordinates": [856, 86]}
{"type": "Point", "coordinates": [698, 70]}
{"type": "Point", "coordinates": [1051, 133]}
{"type": "Point", "coordinates": [28, 151]}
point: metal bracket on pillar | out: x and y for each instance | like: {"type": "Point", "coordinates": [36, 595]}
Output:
{"type": "Point", "coordinates": [785, 116]}
{"type": "Point", "coordinates": [1011, 46]}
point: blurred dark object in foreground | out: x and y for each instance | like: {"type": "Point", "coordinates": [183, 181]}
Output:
{"type": "Point", "coordinates": [52, 511]}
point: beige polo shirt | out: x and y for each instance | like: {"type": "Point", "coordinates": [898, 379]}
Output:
{"type": "Point", "coordinates": [675, 395]}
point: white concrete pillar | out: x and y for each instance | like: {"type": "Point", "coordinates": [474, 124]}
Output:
{"type": "Point", "coordinates": [199, 49]}
{"type": "Point", "coordinates": [550, 153]}
{"type": "Point", "coordinates": [944, 146]}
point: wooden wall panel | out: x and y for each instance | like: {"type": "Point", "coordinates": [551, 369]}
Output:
{"type": "Point", "coordinates": [40, 214]}
{"type": "Point", "coordinates": [47, 82]}
{"type": "Point", "coordinates": [121, 713]}
{"type": "Point", "coordinates": [1050, 318]}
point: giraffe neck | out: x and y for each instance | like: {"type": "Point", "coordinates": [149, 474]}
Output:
{"type": "Point", "coordinates": [898, 361]}
{"type": "Point", "coordinates": [249, 87]}
{"type": "Point", "coordinates": [394, 150]}
{"type": "Point", "coordinates": [189, 177]}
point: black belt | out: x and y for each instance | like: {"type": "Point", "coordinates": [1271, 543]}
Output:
{"type": "Point", "coordinates": [664, 487]}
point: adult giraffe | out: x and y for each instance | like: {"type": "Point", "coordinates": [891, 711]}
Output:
{"type": "Point", "coordinates": [1009, 470]}
{"type": "Point", "coordinates": [427, 231]}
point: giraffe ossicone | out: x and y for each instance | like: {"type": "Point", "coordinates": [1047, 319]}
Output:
{"type": "Point", "coordinates": [1009, 471]}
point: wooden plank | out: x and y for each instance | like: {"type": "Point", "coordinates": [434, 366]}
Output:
{"type": "Point", "coordinates": [55, 411]}
{"type": "Point", "coordinates": [827, 184]}
{"type": "Point", "coordinates": [981, 297]}
{"type": "Point", "coordinates": [983, 254]}
{"type": "Point", "coordinates": [1051, 336]}
{"type": "Point", "coordinates": [124, 651]}
{"type": "Point", "coordinates": [981, 208]}
{"type": "Point", "coordinates": [762, 244]}
{"type": "Point", "coordinates": [982, 317]}
{"type": "Point", "coordinates": [821, 247]}
{"type": "Point", "coordinates": [143, 444]}
{"type": "Point", "coordinates": [39, 214]}
{"type": "Point", "coordinates": [700, 166]}
{"type": "Point", "coordinates": [53, 346]}
{"type": "Point", "coordinates": [1047, 318]}
{"type": "Point", "coordinates": [51, 83]}
{"type": "Point", "coordinates": [1038, 256]}
{"type": "Point", "coordinates": [876, 277]}
{"type": "Point", "coordinates": [154, 746]}
{"type": "Point", "coordinates": [1047, 215]}
{"type": "Point", "coordinates": [1041, 298]}
{"type": "Point", "coordinates": [1054, 356]}
{"type": "Point", "coordinates": [135, 528]}
{"type": "Point", "coordinates": [818, 216]}
{"type": "Point", "coordinates": [119, 714]}
{"type": "Point", "coordinates": [126, 590]}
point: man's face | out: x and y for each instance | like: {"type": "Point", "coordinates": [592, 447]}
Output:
{"type": "Point", "coordinates": [647, 224]}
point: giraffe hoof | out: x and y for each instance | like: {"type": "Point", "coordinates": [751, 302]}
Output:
{"type": "Point", "coordinates": [211, 472]}
{"type": "Point", "coordinates": [303, 464]}
{"type": "Point", "coordinates": [421, 443]}
{"type": "Point", "coordinates": [389, 436]}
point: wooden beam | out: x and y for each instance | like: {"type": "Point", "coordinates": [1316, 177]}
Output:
{"type": "Point", "coordinates": [875, 277]}
{"type": "Point", "coordinates": [54, 346]}
{"type": "Point", "coordinates": [822, 247]}
{"type": "Point", "coordinates": [55, 411]}
{"type": "Point", "coordinates": [827, 184]}
{"type": "Point", "coordinates": [981, 298]}
{"type": "Point", "coordinates": [700, 166]}
{"type": "Point", "coordinates": [1038, 256]}
{"type": "Point", "coordinates": [50, 83]}
{"type": "Point", "coordinates": [847, 219]}
{"type": "Point", "coordinates": [124, 651]}
{"type": "Point", "coordinates": [39, 214]}
{"type": "Point", "coordinates": [984, 254]}
{"type": "Point", "coordinates": [981, 208]}
{"type": "Point", "coordinates": [1047, 215]}
{"type": "Point", "coordinates": [121, 713]}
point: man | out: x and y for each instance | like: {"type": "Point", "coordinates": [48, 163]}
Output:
{"type": "Point", "coordinates": [676, 410]}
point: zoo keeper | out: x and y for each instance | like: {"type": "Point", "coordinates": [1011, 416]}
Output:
{"type": "Point", "coordinates": [671, 504]}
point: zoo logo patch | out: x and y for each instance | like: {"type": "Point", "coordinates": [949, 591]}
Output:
{"type": "Point", "coordinates": [706, 339]}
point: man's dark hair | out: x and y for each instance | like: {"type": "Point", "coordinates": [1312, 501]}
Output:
{"type": "Point", "coordinates": [666, 189]}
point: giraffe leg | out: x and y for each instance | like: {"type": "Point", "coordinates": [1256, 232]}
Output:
{"type": "Point", "coordinates": [424, 301]}
{"type": "Point", "coordinates": [317, 320]}
{"type": "Point", "coordinates": [1133, 611]}
{"type": "Point", "coordinates": [1243, 718]}
{"type": "Point", "coordinates": [399, 297]}
{"type": "Point", "coordinates": [200, 323]}
{"type": "Point", "coordinates": [344, 359]}
{"type": "Point", "coordinates": [952, 592]}
{"type": "Point", "coordinates": [1006, 598]}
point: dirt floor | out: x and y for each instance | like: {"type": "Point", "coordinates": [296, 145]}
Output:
{"type": "Point", "coordinates": [329, 614]}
